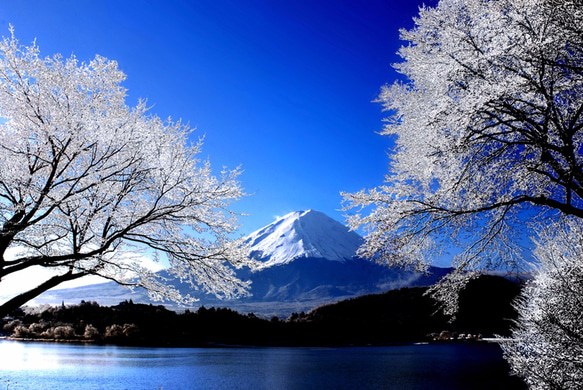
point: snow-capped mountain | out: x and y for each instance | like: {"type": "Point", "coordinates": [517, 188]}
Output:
{"type": "Point", "coordinates": [309, 261]}
{"type": "Point", "coordinates": [303, 234]}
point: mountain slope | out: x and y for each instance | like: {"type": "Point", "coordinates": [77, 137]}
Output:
{"type": "Point", "coordinates": [309, 261]}
{"type": "Point", "coordinates": [303, 234]}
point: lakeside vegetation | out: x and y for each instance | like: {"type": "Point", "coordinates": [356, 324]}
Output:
{"type": "Point", "coordinates": [397, 316]}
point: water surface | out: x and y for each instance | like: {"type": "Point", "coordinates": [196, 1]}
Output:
{"type": "Point", "coordinates": [437, 366]}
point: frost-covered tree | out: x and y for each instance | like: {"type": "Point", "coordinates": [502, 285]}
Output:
{"type": "Point", "coordinates": [88, 185]}
{"type": "Point", "coordinates": [546, 349]}
{"type": "Point", "coordinates": [488, 131]}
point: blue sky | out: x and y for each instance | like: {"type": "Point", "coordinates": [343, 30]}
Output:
{"type": "Point", "coordinates": [282, 88]}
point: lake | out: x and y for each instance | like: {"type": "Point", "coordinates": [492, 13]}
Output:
{"type": "Point", "coordinates": [33, 365]}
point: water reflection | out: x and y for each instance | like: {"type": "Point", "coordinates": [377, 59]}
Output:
{"type": "Point", "coordinates": [61, 366]}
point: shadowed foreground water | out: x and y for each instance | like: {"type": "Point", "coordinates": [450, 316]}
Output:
{"type": "Point", "coordinates": [437, 366]}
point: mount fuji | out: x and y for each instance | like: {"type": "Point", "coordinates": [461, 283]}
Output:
{"type": "Point", "coordinates": [303, 234]}
{"type": "Point", "coordinates": [309, 260]}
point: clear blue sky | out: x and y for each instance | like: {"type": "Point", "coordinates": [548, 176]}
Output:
{"type": "Point", "coordinates": [282, 88]}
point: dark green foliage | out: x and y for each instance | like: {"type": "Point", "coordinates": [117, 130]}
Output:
{"type": "Point", "coordinates": [396, 316]}
{"type": "Point", "coordinates": [409, 314]}
{"type": "Point", "coordinates": [486, 306]}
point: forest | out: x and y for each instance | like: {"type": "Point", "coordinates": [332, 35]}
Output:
{"type": "Point", "coordinates": [397, 316]}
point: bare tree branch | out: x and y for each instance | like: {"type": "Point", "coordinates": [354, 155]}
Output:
{"type": "Point", "coordinates": [84, 177]}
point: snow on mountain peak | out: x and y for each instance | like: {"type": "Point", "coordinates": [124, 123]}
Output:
{"type": "Point", "coordinates": [303, 234]}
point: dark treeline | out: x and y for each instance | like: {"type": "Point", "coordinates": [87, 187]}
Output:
{"type": "Point", "coordinates": [397, 316]}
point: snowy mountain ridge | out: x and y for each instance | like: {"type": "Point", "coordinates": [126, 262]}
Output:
{"type": "Point", "coordinates": [303, 234]}
{"type": "Point", "coordinates": [309, 262]}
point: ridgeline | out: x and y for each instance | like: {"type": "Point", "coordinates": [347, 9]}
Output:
{"type": "Point", "coordinates": [397, 316]}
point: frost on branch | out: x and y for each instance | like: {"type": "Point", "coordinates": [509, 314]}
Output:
{"type": "Point", "coordinates": [86, 181]}
{"type": "Point", "coordinates": [546, 349]}
{"type": "Point", "coordinates": [488, 134]}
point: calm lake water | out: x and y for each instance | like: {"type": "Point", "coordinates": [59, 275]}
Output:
{"type": "Point", "coordinates": [62, 366]}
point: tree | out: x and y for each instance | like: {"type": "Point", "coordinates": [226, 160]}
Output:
{"type": "Point", "coordinates": [488, 131]}
{"type": "Point", "coordinates": [88, 185]}
{"type": "Point", "coordinates": [546, 348]}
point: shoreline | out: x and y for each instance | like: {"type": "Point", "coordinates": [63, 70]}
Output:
{"type": "Point", "coordinates": [268, 345]}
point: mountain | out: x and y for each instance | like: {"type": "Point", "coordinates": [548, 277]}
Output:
{"type": "Point", "coordinates": [310, 260]}
{"type": "Point", "coordinates": [303, 234]}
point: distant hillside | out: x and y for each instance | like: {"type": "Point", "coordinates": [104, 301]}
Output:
{"type": "Point", "coordinates": [408, 314]}
{"type": "Point", "coordinates": [404, 315]}
{"type": "Point", "coordinates": [310, 260]}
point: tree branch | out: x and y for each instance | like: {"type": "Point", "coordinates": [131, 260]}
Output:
{"type": "Point", "coordinates": [14, 303]}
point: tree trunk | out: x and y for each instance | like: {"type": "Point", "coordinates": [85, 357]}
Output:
{"type": "Point", "coordinates": [14, 303]}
